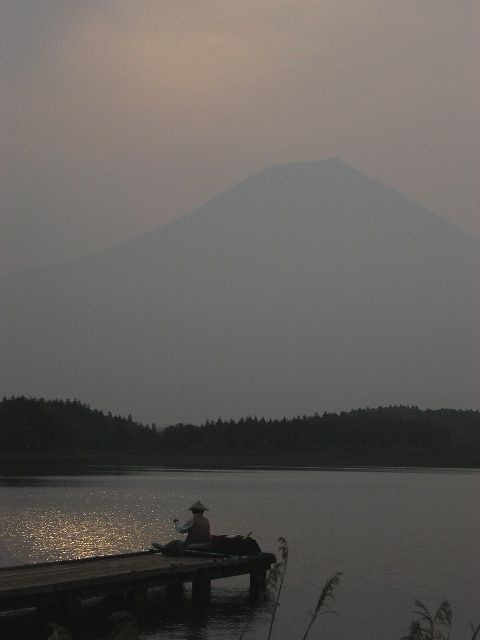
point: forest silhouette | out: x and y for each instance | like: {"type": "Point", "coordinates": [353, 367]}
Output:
{"type": "Point", "coordinates": [385, 435]}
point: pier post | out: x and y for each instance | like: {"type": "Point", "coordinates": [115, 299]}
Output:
{"type": "Point", "coordinates": [174, 594]}
{"type": "Point", "coordinates": [201, 592]}
{"type": "Point", "coordinates": [62, 608]}
{"type": "Point", "coordinates": [136, 601]}
{"type": "Point", "coordinates": [258, 580]}
{"type": "Point", "coordinates": [115, 601]}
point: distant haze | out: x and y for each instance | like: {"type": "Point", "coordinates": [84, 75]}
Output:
{"type": "Point", "coordinates": [117, 116]}
{"type": "Point", "coordinates": [307, 287]}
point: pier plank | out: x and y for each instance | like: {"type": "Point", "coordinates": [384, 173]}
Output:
{"type": "Point", "coordinates": [26, 585]}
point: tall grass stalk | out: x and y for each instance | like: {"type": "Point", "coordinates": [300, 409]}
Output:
{"type": "Point", "coordinates": [428, 627]}
{"type": "Point", "coordinates": [277, 576]}
{"type": "Point", "coordinates": [322, 602]}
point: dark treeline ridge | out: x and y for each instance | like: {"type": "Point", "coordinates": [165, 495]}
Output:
{"type": "Point", "coordinates": [443, 436]}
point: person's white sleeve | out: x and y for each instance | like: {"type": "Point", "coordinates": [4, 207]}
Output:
{"type": "Point", "coordinates": [183, 527]}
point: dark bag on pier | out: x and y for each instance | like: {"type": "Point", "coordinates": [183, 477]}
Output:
{"type": "Point", "coordinates": [219, 547]}
{"type": "Point", "coordinates": [235, 546]}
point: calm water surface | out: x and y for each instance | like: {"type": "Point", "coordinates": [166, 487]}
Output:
{"type": "Point", "coordinates": [395, 536]}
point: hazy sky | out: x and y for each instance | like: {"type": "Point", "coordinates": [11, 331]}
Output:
{"type": "Point", "coordinates": [119, 115]}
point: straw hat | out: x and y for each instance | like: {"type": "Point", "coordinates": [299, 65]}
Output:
{"type": "Point", "coordinates": [198, 506]}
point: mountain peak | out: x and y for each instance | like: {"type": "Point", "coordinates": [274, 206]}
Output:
{"type": "Point", "coordinates": [306, 168]}
{"type": "Point", "coordinates": [306, 287]}
{"type": "Point", "coordinates": [302, 164]}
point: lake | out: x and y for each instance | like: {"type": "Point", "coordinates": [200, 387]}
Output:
{"type": "Point", "coordinates": [396, 536]}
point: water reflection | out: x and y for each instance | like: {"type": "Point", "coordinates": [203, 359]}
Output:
{"type": "Point", "coordinates": [227, 617]}
{"type": "Point", "coordinates": [56, 534]}
{"type": "Point", "coordinates": [389, 533]}
{"type": "Point", "coordinates": [64, 518]}
{"type": "Point", "coordinates": [39, 481]}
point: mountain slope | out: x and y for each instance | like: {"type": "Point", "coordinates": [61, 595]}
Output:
{"type": "Point", "coordinates": [306, 287]}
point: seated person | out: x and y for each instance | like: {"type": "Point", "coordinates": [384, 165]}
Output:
{"type": "Point", "coordinates": [199, 539]}
{"type": "Point", "coordinates": [197, 528]}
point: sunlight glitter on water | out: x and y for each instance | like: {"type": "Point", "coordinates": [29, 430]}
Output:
{"type": "Point", "coordinates": [36, 527]}
{"type": "Point", "coordinates": [58, 535]}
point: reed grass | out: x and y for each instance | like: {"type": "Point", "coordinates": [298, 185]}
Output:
{"type": "Point", "coordinates": [430, 626]}
{"type": "Point", "coordinates": [322, 606]}
{"type": "Point", "coordinates": [276, 580]}
{"type": "Point", "coordinates": [475, 631]}
{"type": "Point", "coordinates": [435, 626]}
{"type": "Point", "coordinates": [277, 576]}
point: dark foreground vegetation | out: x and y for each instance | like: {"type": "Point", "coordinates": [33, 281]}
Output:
{"type": "Point", "coordinates": [426, 625]}
{"type": "Point", "coordinates": [69, 431]}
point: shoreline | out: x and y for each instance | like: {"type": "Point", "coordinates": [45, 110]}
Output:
{"type": "Point", "coordinates": [120, 463]}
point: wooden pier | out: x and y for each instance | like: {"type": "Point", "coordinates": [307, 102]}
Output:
{"type": "Point", "coordinates": [122, 578]}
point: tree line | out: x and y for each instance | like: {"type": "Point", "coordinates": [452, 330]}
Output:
{"type": "Point", "coordinates": [35, 424]}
